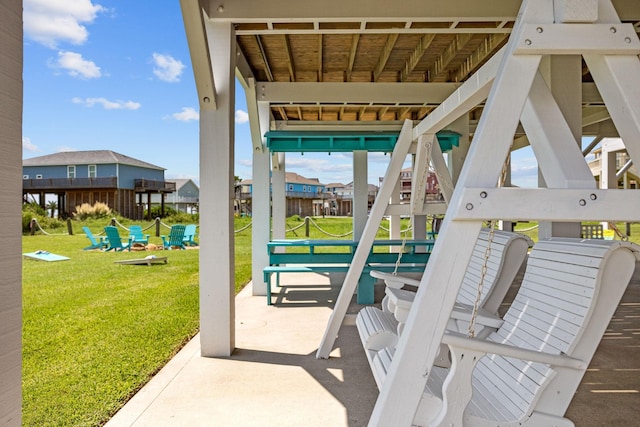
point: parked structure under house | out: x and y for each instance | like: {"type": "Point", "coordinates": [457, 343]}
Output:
{"type": "Point", "coordinates": [123, 183]}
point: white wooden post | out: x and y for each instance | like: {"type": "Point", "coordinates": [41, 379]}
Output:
{"type": "Point", "coordinates": [260, 204]}
{"type": "Point", "coordinates": [360, 193]}
{"type": "Point", "coordinates": [279, 197]}
{"type": "Point", "coordinates": [561, 73]}
{"type": "Point", "coordinates": [217, 267]}
{"type": "Point", "coordinates": [10, 196]}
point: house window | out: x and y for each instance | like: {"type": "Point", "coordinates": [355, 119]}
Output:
{"type": "Point", "coordinates": [92, 171]}
{"type": "Point", "coordinates": [304, 188]}
{"type": "Point", "coordinates": [38, 176]}
{"type": "Point", "coordinates": [25, 176]}
{"type": "Point", "coordinates": [71, 171]}
{"type": "Point", "coordinates": [290, 187]}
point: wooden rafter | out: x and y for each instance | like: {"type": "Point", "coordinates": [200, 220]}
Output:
{"type": "Point", "coordinates": [319, 57]}
{"type": "Point", "coordinates": [439, 67]}
{"type": "Point", "coordinates": [341, 113]}
{"type": "Point", "coordinates": [486, 49]}
{"type": "Point", "coordinates": [352, 55]}
{"type": "Point", "coordinates": [382, 112]}
{"type": "Point", "coordinates": [290, 65]}
{"type": "Point", "coordinates": [416, 55]}
{"type": "Point", "coordinates": [267, 68]}
{"type": "Point", "coordinates": [384, 55]}
{"type": "Point", "coordinates": [361, 112]}
{"type": "Point", "coordinates": [299, 112]}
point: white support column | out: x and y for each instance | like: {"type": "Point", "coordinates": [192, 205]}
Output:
{"type": "Point", "coordinates": [360, 193]}
{"type": "Point", "coordinates": [217, 267]}
{"type": "Point", "coordinates": [279, 196]}
{"type": "Point", "coordinates": [458, 155]}
{"type": "Point", "coordinates": [562, 76]}
{"type": "Point", "coordinates": [10, 196]}
{"type": "Point", "coordinates": [395, 225]}
{"type": "Point", "coordinates": [260, 200]}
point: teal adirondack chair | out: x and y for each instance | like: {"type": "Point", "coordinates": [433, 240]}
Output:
{"type": "Point", "coordinates": [96, 243]}
{"type": "Point", "coordinates": [115, 241]}
{"type": "Point", "coordinates": [175, 237]}
{"type": "Point", "coordinates": [190, 235]}
{"type": "Point", "coordinates": [137, 236]}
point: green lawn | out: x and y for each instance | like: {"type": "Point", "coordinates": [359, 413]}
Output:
{"type": "Point", "coordinates": [95, 331]}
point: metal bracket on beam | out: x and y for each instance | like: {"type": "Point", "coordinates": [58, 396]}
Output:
{"type": "Point", "coordinates": [578, 39]}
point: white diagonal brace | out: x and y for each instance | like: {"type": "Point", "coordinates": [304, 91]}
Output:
{"type": "Point", "coordinates": [366, 241]}
{"type": "Point", "coordinates": [420, 172]}
{"type": "Point", "coordinates": [558, 154]}
{"type": "Point", "coordinates": [617, 80]}
{"type": "Point", "coordinates": [442, 172]}
{"type": "Point", "coordinates": [471, 93]}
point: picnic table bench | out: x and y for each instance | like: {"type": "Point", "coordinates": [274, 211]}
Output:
{"type": "Point", "coordinates": [335, 256]}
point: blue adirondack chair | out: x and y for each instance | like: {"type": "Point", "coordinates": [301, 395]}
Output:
{"type": "Point", "coordinates": [96, 243]}
{"type": "Point", "coordinates": [175, 237]}
{"type": "Point", "coordinates": [190, 235]}
{"type": "Point", "coordinates": [137, 236]}
{"type": "Point", "coordinates": [115, 241]}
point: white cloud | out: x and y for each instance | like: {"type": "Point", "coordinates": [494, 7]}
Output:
{"type": "Point", "coordinates": [187, 114]}
{"type": "Point", "coordinates": [241, 117]}
{"type": "Point", "coordinates": [50, 22]}
{"type": "Point", "coordinates": [167, 68]}
{"type": "Point", "coordinates": [27, 145]}
{"type": "Point", "coordinates": [106, 104]}
{"type": "Point", "coordinates": [77, 66]}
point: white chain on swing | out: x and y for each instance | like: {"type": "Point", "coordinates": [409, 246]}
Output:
{"type": "Point", "coordinates": [471, 332]}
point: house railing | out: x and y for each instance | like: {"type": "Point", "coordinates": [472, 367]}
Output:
{"type": "Point", "coordinates": [152, 185]}
{"type": "Point", "coordinates": [68, 183]}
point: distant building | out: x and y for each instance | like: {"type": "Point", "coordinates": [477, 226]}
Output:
{"type": "Point", "coordinates": [304, 196]}
{"type": "Point", "coordinates": [77, 177]}
{"type": "Point", "coordinates": [341, 201]}
{"type": "Point", "coordinates": [185, 198]}
{"type": "Point", "coordinates": [432, 189]}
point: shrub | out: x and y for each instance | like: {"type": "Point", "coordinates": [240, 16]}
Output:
{"type": "Point", "coordinates": [33, 210]}
{"type": "Point", "coordinates": [98, 210]}
{"type": "Point", "coordinates": [295, 218]}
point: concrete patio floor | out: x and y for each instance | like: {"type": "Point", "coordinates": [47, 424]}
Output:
{"type": "Point", "coordinates": [274, 379]}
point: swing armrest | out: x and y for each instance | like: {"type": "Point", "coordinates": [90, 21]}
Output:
{"type": "Point", "coordinates": [483, 317]}
{"type": "Point", "coordinates": [394, 281]}
{"type": "Point", "coordinates": [457, 340]}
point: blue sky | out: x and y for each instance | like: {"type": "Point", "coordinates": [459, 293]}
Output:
{"type": "Point", "coordinates": [116, 75]}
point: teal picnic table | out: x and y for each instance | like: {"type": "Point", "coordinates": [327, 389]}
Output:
{"type": "Point", "coordinates": [331, 256]}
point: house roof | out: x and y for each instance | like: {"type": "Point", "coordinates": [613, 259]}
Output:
{"type": "Point", "coordinates": [181, 182]}
{"type": "Point", "coordinates": [87, 157]}
{"type": "Point", "coordinates": [291, 178]}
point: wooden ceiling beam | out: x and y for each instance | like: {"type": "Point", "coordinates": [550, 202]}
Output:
{"type": "Point", "coordinates": [290, 64]}
{"type": "Point", "coordinates": [352, 55]}
{"type": "Point", "coordinates": [416, 55]}
{"type": "Point", "coordinates": [384, 55]}
{"type": "Point", "coordinates": [263, 55]}
{"type": "Point", "coordinates": [488, 46]}
{"type": "Point", "coordinates": [440, 65]}
{"type": "Point", "coordinates": [320, 51]}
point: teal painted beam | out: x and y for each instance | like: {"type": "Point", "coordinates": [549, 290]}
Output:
{"type": "Point", "coordinates": [333, 142]}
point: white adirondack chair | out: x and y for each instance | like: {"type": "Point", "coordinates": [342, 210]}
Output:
{"type": "Point", "coordinates": [529, 369]}
{"type": "Point", "coordinates": [379, 328]}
